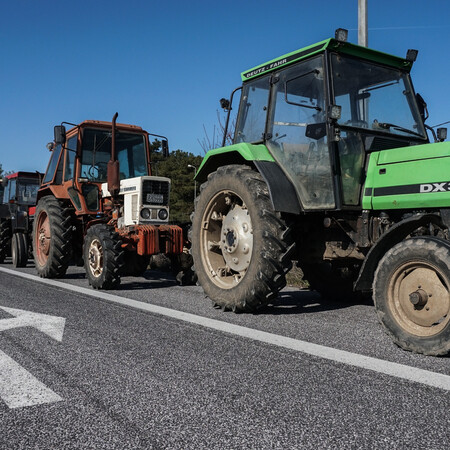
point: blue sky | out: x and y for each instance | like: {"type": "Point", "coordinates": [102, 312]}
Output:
{"type": "Point", "coordinates": [164, 65]}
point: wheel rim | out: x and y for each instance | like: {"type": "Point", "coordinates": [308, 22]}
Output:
{"type": "Point", "coordinates": [96, 258]}
{"type": "Point", "coordinates": [226, 239]}
{"type": "Point", "coordinates": [43, 237]}
{"type": "Point", "coordinates": [419, 298]}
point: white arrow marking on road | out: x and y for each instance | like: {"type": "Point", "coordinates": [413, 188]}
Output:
{"type": "Point", "coordinates": [18, 388]}
{"type": "Point", "coordinates": [50, 325]}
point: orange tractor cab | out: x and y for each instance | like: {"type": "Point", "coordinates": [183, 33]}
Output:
{"type": "Point", "coordinates": [16, 215]}
{"type": "Point", "coordinates": [99, 203]}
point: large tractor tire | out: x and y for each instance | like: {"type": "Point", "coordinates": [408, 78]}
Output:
{"type": "Point", "coordinates": [19, 250]}
{"type": "Point", "coordinates": [5, 237]}
{"type": "Point", "coordinates": [134, 265]}
{"type": "Point", "coordinates": [52, 233]}
{"type": "Point", "coordinates": [241, 247]}
{"type": "Point", "coordinates": [411, 292]}
{"type": "Point", "coordinates": [103, 257]}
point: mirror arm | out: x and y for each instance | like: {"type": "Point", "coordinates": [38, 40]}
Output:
{"type": "Point", "coordinates": [225, 130]}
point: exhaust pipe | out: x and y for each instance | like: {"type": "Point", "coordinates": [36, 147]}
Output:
{"type": "Point", "coordinates": [113, 177]}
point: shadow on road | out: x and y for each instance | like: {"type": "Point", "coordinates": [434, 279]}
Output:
{"type": "Point", "coordinates": [306, 301]}
{"type": "Point", "coordinates": [152, 279]}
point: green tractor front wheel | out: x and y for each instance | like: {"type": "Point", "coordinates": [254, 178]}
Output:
{"type": "Point", "coordinates": [241, 247]}
{"type": "Point", "coordinates": [412, 295]}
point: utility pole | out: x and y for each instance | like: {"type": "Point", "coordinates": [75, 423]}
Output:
{"type": "Point", "coordinates": [362, 23]}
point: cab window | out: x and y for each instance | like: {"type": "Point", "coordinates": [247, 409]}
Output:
{"type": "Point", "coordinates": [49, 174]}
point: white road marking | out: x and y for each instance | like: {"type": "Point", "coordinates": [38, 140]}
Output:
{"type": "Point", "coordinates": [402, 371]}
{"type": "Point", "coordinates": [18, 388]}
{"type": "Point", "coordinates": [50, 325]}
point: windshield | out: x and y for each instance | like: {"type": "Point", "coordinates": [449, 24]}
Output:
{"type": "Point", "coordinates": [96, 152]}
{"type": "Point", "coordinates": [27, 191]}
{"type": "Point", "coordinates": [375, 97]}
{"type": "Point", "coordinates": [252, 111]}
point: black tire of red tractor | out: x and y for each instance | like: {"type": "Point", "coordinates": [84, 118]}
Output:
{"type": "Point", "coordinates": [134, 265]}
{"type": "Point", "coordinates": [19, 250]}
{"type": "Point", "coordinates": [5, 236]}
{"type": "Point", "coordinates": [55, 262]}
{"type": "Point", "coordinates": [397, 264]}
{"type": "Point", "coordinates": [103, 257]}
{"type": "Point", "coordinates": [272, 241]}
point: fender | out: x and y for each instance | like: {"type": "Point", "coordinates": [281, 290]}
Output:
{"type": "Point", "coordinates": [392, 237]}
{"type": "Point", "coordinates": [281, 190]}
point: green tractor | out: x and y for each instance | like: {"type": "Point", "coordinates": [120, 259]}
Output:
{"type": "Point", "coordinates": [331, 166]}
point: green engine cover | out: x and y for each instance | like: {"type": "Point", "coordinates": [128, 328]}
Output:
{"type": "Point", "coordinates": [414, 177]}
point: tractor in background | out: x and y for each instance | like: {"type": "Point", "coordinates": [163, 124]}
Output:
{"type": "Point", "coordinates": [100, 205]}
{"type": "Point", "coordinates": [17, 214]}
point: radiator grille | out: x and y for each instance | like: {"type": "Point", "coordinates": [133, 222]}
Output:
{"type": "Point", "coordinates": [134, 207]}
{"type": "Point", "coordinates": [155, 192]}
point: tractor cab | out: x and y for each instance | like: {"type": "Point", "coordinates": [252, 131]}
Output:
{"type": "Point", "coordinates": [81, 158]}
{"type": "Point", "coordinates": [321, 110]}
{"type": "Point", "coordinates": [19, 197]}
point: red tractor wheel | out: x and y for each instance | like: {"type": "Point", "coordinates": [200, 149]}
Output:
{"type": "Point", "coordinates": [51, 238]}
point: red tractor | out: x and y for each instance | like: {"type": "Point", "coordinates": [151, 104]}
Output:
{"type": "Point", "coordinates": [99, 204]}
{"type": "Point", "coordinates": [16, 215]}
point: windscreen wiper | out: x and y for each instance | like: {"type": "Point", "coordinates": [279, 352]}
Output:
{"type": "Point", "coordinates": [386, 126]}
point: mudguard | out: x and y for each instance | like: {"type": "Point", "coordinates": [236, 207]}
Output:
{"type": "Point", "coordinates": [282, 191]}
{"type": "Point", "coordinates": [392, 237]}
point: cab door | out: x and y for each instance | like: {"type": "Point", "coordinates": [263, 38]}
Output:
{"type": "Point", "coordinates": [298, 134]}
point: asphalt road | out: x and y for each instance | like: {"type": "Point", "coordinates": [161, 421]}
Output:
{"type": "Point", "coordinates": [130, 377]}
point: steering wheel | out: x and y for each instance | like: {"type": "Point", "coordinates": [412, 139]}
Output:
{"type": "Point", "coordinates": [94, 172]}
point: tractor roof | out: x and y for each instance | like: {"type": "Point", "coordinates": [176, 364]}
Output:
{"type": "Point", "coordinates": [101, 124]}
{"type": "Point", "coordinates": [36, 175]}
{"type": "Point", "coordinates": [331, 45]}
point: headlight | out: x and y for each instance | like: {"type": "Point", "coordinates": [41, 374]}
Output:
{"type": "Point", "coordinates": [163, 214]}
{"type": "Point", "coordinates": [145, 213]}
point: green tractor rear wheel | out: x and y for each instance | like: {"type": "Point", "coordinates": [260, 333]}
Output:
{"type": "Point", "coordinates": [241, 247]}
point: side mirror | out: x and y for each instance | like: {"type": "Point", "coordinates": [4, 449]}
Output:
{"type": "Point", "coordinates": [4, 181]}
{"type": "Point", "coordinates": [422, 105]}
{"type": "Point", "coordinates": [441, 134]}
{"type": "Point", "coordinates": [165, 148]}
{"type": "Point", "coordinates": [316, 130]}
{"type": "Point", "coordinates": [225, 104]}
{"type": "Point", "coordinates": [60, 134]}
